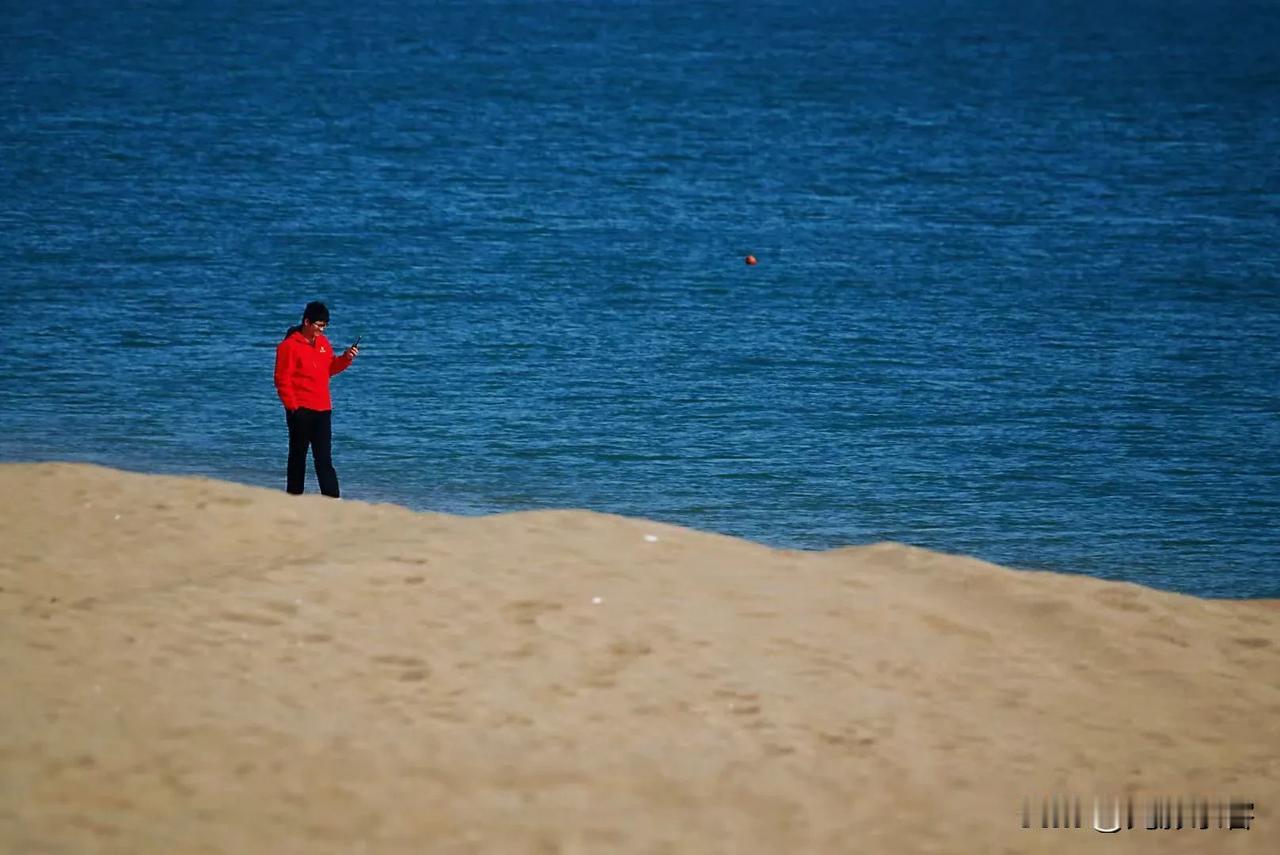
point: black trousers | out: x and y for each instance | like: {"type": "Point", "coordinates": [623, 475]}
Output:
{"type": "Point", "coordinates": [314, 429]}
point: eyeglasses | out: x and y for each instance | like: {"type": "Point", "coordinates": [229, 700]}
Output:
{"type": "Point", "coordinates": [319, 324]}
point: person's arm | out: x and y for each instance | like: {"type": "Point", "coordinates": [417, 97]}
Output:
{"type": "Point", "coordinates": [340, 363]}
{"type": "Point", "coordinates": [284, 377]}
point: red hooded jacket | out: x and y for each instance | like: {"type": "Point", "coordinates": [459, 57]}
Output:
{"type": "Point", "coordinates": [303, 370]}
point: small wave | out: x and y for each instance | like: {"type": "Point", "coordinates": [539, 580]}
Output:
{"type": "Point", "coordinates": [135, 340]}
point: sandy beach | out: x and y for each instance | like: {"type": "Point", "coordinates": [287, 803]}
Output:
{"type": "Point", "coordinates": [198, 666]}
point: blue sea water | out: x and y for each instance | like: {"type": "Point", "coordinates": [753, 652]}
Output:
{"type": "Point", "coordinates": [1018, 291]}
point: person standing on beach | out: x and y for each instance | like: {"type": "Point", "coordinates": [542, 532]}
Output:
{"type": "Point", "coordinates": [304, 363]}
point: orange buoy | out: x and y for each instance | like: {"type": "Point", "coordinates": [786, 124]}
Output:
{"type": "Point", "coordinates": [750, 259]}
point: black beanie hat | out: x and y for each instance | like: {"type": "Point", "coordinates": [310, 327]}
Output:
{"type": "Point", "coordinates": [316, 311]}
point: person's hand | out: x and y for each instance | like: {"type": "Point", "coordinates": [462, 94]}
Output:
{"type": "Point", "coordinates": [352, 352]}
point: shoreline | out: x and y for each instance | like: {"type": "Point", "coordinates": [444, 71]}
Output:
{"type": "Point", "coordinates": [400, 502]}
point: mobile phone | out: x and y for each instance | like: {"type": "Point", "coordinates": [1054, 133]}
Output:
{"type": "Point", "coordinates": [356, 343]}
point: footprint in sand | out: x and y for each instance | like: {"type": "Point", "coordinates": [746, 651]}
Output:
{"type": "Point", "coordinates": [248, 618]}
{"type": "Point", "coordinates": [411, 668]}
{"type": "Point", "coordinates": [1121, 599]}
{"type": "Point", "coordinates": [527, 612]}
{"type": "Point", "coordinates": [622, 653]}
